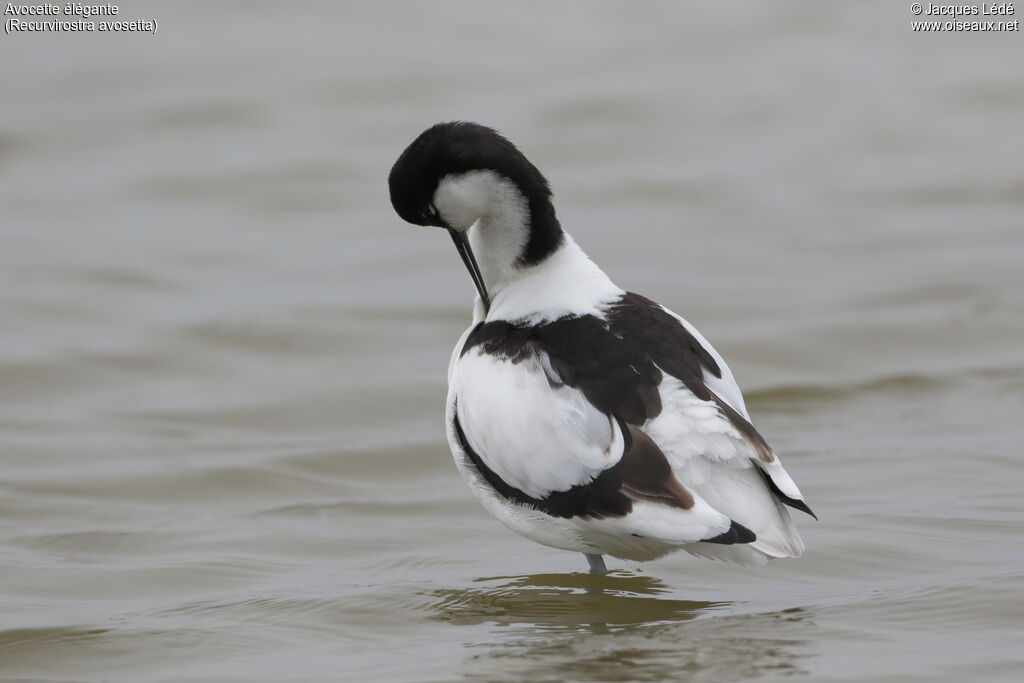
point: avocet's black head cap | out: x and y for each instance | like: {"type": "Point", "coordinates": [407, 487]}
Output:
{"type": "Point", "coordinates": [459, 147]}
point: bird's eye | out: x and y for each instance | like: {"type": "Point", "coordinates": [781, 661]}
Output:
{"type": "Point", "coordinates": [431, 213]}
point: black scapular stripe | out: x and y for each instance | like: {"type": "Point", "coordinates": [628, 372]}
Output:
{"type": "Point", "coordinates": [638, 321]}
{"type": "Point", "coordinates": [617, 363]}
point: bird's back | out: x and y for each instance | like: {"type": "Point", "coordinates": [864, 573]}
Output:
{"type": "Point", "coordinates": [550, 406]}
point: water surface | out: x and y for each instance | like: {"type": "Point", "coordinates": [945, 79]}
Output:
{"type": "Point", "coordinates": [223, 356]}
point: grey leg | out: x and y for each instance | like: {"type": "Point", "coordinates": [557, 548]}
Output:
{"type": "Point", "coordinates": [596, 564]}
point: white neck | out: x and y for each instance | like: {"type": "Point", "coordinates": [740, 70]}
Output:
{"type": "Point", "coordinates": [565, 283]}
{"type": "Point", "coordinates": [496, 215]}
{"type": "Point", "coordinates": [499, 237]}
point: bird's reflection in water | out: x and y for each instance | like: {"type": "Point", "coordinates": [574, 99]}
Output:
{"type": "Point", "coordinates": [572, 601]}
{"type": "Point", "coordinates": [616, 627]}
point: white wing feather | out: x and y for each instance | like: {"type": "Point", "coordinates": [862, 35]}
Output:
{"type": "Point", "coordinates": [710, 456]}
{"type": "Point", "coordinates": [536, 434]}
{"type": "Point", "coordinates": [728, 390]}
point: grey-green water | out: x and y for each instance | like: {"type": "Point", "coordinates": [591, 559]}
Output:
{"type": "Point", "coordinates": [223, 357]}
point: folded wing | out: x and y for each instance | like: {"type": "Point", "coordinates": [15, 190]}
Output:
{"type": "Point", "coordinates": [540, 442]}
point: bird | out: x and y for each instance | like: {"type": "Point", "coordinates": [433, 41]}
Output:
{"type": "Point", "coordinates": [583, 416]}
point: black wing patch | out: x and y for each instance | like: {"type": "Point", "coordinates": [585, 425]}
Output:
{"type": "Point", "coordinates": [646, 474]}
{"type": "Point", "coordinates": [617, 363]}
{"type": "Point", "coordinates": [618, 378]}
{"type": "Point", "coordinates": [641, 322]}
